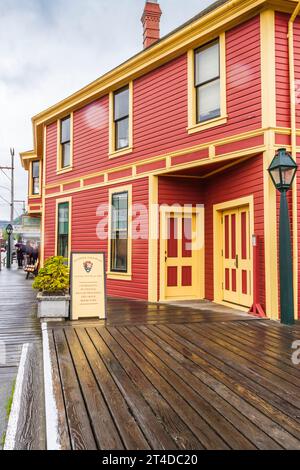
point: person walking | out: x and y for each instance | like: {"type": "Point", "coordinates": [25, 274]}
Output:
{"type": "Point", "coordinates": [20, 255]}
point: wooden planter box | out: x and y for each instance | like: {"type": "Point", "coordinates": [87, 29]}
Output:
{"type": "Point", "coordinates": [53, 308]}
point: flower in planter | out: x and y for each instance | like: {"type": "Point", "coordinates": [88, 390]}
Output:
{"type": "Point", "coordinates": [54, 277]}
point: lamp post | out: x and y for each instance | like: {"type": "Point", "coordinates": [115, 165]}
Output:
{"type": "Point", "coordinates": [9, 231]}
{"type": "Point", "coordinates": [283, 171]}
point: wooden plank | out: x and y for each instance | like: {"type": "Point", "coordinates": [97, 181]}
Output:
{"type": "Point", "coordinates": [221, 399]}
{"type": "Point", "coordinates": [209, 438]}
{"type": "Point", "coordinates": [240, 364]}
{"type": "Point", "coordinates": [81, 434]}
{"type": "Point", "coordinates": [104, 428]}
{"type": "Point", "coordinates": [128, 427]}
{"type": "Point", "coordinates": [275, 358]}
{"type": "Point", "coordinates": [194, 358]}
{"type": "Point", "coordinates": [246, 411]}
{"type": "Point", "coordinates": [63, 428]}
{"type": "Point", "coordinates": [274, 373]}
{"type": "Point", "coordinates": [153, 430]}
{"type": "Point", "coordinates": [31, 431]}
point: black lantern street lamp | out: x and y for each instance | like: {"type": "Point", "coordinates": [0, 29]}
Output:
{"type": "Point", "coordinates": [283, 171]}
{"type": "Point", "coordinates": [9, 231]}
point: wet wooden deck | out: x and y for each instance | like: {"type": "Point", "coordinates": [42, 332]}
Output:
{"type": "Point", "coordinates": [174, 378]}
{"type": "Point", "coordinates": [18, 320]}
{"type": "Point", "coordinates": [19, 325]}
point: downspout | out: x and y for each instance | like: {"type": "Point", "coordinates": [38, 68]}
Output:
{"type": "Point", "coordinates": [294, 147]}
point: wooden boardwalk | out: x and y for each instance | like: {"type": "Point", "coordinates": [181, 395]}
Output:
{"type": "Point", "coordinates": [18, 320]}
{"type": "Point", "coordinates": [19, 325]}
{"type": "Point", "coordinates": [176, 380]}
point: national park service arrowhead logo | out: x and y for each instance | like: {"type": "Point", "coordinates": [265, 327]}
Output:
{"type": "Point", "coordinates": [88, 266]}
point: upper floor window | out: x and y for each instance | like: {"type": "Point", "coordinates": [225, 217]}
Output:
{"type": "Point", "coordinates": [35, 178]}
{"type": "Point", "coordinates": [65, 144]}
{"type": "Point", "coordinates": [65, 141]}
{"type": "Point", "coordinates": [207, 82]}
{"type": "Point", "coordinates": [121, 118]}
{"type": "Point", "coordinates": [207, 85]}
{"type": "Point", "coordinates": [120, 140]}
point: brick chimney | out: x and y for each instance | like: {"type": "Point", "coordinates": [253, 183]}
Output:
{"type": "Point", "coordinates": [151, 22]}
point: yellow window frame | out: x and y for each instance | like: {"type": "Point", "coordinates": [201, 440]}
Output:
{"type": "Point", "coordinates": [59, 168]}
{"type": "Point", "coordinates": [111, 274]}
{"type": "Point", "coordinates": [193, 126]}
{"type": "Point", "coordinates": [31, 194]}
{"type": "Point", "coordinates": [112, 128]}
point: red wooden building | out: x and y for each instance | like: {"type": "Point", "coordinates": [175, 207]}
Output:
{"type": "Point", "coordinates": [162, 162]}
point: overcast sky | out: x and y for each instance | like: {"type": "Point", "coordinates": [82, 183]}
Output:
{"type": "Point", "coordinates": [51, 48]}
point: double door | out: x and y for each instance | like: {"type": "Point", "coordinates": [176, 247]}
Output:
{"type": "Point", "coordinates": [237, 262]}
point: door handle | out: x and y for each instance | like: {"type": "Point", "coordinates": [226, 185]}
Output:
{"type": "Point", "coordinates": [237, 261]}
{"type": "Point", "coordinates": [166, 257]}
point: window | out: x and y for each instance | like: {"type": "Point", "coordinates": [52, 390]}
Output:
{"type": "Point", "coordinates": [207, 105]}
{"type": "Point", "coordinates": [63, 216]}
{"type": "Point", "coordinates": [121, 118]}
{"type": "Point", "coordinates": [207, 82]}
{"type": "Point", "coordinates": [35, 175]}
{"type": "Point", "coordinates": [119, 232]}
{"type": "Point", "coordinates": [65, 143]}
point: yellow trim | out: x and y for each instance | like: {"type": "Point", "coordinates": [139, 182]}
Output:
{"type": "Point", "coordinates": [268, 67]}
{"type": "Point", "coordinates": [171, 155]}
{"type": "Point", "coordinates": [42, 254]}
{"type": "Point", "coordinates": [26, 158]}
{"type": "Point", "coordinates": [153, 239]}
{"type": "Point", "coordinates": [112, 135]}
{"type": "Point", "coordinates": [268, 80]}
{"type": "Point", "coordinates": [294, 152]}
{"type": "Point", "coordinates": [193, 126]}
{"type": "Point", "coordinates": [59, 168]}
{"type": "Point", "coordinates": [198, 259]}
{"type": "Point", "coordinates": [270, 233]}
{"type": "Point", "coordinates": [110, 274]}
{"type": "Point", "coordinates": [61, 201]}
{"type": "Point", "coordinates": [218, 210]}
{"type": "Point", "coordinates": [177, 153]}
{"type": "Point", "coordinates": [30, 192]}
{"type": "Point", "coordinates": [199, 31]}
{"type": "Point", "coordinates": [203, 162]}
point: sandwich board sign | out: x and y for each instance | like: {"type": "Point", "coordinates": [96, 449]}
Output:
{"type": "Point", "coordinates": [88, 285]}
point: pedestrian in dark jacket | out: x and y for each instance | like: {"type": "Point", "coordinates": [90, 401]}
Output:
{"type": "Point", "coordinates": [29, 253]}
{"type": "Point", "coordinates": [20, 255]}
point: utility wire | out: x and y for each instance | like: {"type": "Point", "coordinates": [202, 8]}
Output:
{"type": "Point", "coordinates": [8, 177]}
{"type": "Point", "coordinates": [5, 200]}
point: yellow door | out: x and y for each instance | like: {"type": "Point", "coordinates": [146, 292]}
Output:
{"type": "Point", "coordinates": [181, 260]}
{"type": "Point", "coordinates": [237, 262]}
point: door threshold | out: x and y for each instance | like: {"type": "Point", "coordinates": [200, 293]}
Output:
{"type": "Point", "coordinates": [241, 308]}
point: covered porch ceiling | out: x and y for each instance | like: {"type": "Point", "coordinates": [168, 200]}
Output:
{"type": "Point", "coordinates": [209, 169]}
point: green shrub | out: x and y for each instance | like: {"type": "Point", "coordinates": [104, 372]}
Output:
{"type": "Point", "coordinates": [54, 277]}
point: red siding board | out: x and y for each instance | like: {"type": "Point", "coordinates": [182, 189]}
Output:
{"type": "Point", "coordinates": [240, 145]}
{"type": "Point", "coordinates": [84, 235]}
{"type": "Point", "coordinates": [161, 107]}
{"type": "Point", "coordinates": [243, 180]}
